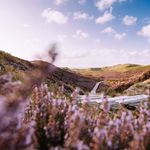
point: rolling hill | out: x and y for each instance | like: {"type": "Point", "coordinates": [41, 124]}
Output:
{"type": "Point", "coordinates": [120, 79]}
{"type": "Point", "coordinates": [54, 74]}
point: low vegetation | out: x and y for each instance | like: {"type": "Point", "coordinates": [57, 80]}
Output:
{"type": "Point", "coordinates": [34, 116]}
{"type": "Point", "coordinates": [119, 78]}
{"type": "Point", "coordinates": [39, 116]}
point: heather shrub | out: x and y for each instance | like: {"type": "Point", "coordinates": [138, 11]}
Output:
{"type": "Point", "coordinates": [70, 125]}
{"type": "Point", "coordinates": [50, 120]}
{"type": "Point", "coordinates": [37, 116]}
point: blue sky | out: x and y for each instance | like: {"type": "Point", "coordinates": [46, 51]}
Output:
{"type": "Point", "coordinates": [89, 33]}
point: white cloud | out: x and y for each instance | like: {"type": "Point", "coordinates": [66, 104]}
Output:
{"type": "Point", "coordinates": [81, 34]}
{"type": "Point", "coordinates": [26, 25]}
{"type": "Point", "coordinates": [59, 2]}
{"type": "Point", "coordinates": [98, 40]}
{"type": "Point", "coordinates": [81, 2]}
{"type": "Point", "coordinates": [116, 35]}
{"type": "Point", "coordinates": [120, 36]}
{"type": "Point", "coordinates": [146, 52]}
{"type": "Point", "coordinates": [33, 42]}
{"type": "Point", "coordinates": [106, 17]}
{"type": "Point", "coordinates": [75, 54]}
{"type": "Point", "coordinates": [145, 32]}
{"type": "Point", "coordinates": [53, 16]}
{"type": "Point", "coordinates": [129, 20]}
{"type": "Point", "coordinates": [61, 37]}
{"type": "Point", "coordinates": [105, 4]}
{"type": "Point", "coordinates": [146, 20]}
{"type": "Point", "coordinates": [108, 30]}
{"type": "Point", "coordinates": [82, 15]}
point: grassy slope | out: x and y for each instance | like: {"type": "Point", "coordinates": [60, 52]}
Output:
{"type": "Point", "coordinates": [121, 77]}
{"type": "Point", "coordinates": [8, 59]}
{"type": "Point", "coordinates": [58, 76]}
